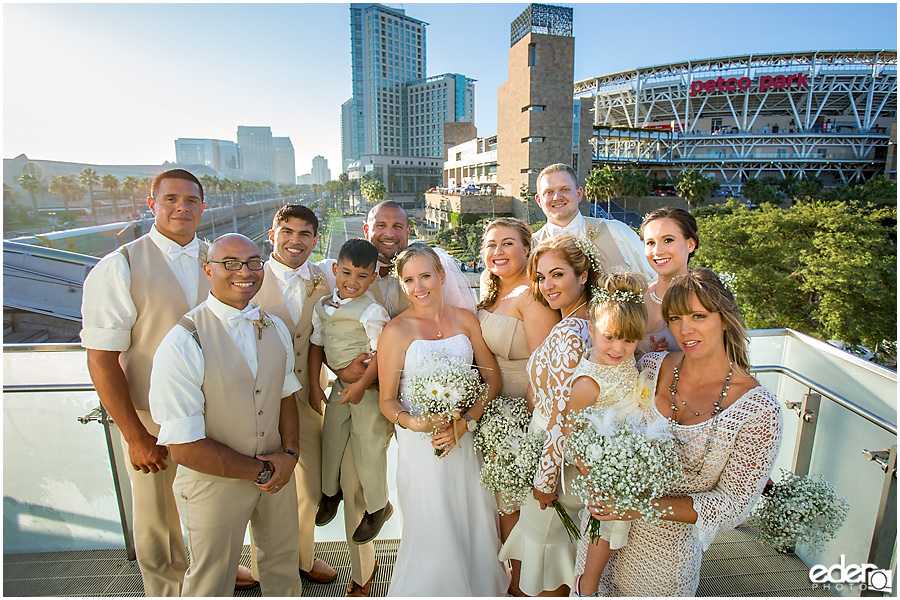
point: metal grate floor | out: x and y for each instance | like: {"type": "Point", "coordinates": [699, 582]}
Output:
{"type": "Point", "coordinates": [734, 565]}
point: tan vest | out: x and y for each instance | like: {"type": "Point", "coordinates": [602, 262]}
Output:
{"type": "Point", "coordinates": [160, 303]}
{"type": "Point", "coordinates": [271, 300]}
{"type": "Point", "coordinates": [345, 337]}
{"type": "Point", "coordinates": [394, 300]}
{"type": "Point", "coordinates": [240, 411]}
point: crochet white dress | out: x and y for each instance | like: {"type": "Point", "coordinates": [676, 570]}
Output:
{"type": "Point", "coordinates": [664, 559]}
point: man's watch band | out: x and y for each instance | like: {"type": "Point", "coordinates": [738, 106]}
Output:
{"type": "Point", "coordinates": [292, 453]}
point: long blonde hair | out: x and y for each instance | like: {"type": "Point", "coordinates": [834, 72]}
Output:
{"type": "Point", "coordinates": [493, 282]}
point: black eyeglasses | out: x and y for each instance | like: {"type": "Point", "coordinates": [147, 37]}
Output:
{"type": "Point", "coordinates": [236, 265]}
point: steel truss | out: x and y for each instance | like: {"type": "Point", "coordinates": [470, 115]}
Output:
{"type": "Point", "coordinates": [854, 89]}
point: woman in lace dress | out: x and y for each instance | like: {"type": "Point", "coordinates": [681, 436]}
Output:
{"type": "Point", "coordinates": [513, 320]}
{"type": "Point", "coordinates": [728, 431]}
{"type": "Point", "coordinates": [562, 272]}
{"type": "Point", "coordinates": [449, 528]}
{"type": "Point", "coordinates": [670, 240]}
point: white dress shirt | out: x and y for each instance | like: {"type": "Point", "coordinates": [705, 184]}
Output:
{"type": "Point", "coordinates": [576, 226]}
{"type": "Point", "coordinates": [373, 318]}
{"type": "Point", "coordinates": [176, 400]}
{"type": "Point", "coordinates": [107, 308]}
{"type": "Point", "coordinates": [293, 286]}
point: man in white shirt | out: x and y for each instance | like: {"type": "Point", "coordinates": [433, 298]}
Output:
{"type": "Point", "coordinates": [619, 247]}
{"type": "Point", "coordinates": [222, 390]}
{"type": "Point", "coordinates": [131, 298]}
{"type": "Point", "coordinates": [291, 287]}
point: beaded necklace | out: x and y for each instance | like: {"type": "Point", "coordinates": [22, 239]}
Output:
{"type": "Point", "coordinates": [695, 467]}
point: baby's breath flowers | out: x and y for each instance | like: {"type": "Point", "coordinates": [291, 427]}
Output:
{"type": "Point", "coordinates": [629, 462]}
{"type": "Point", "coordinates": [799, 510]}
{"type": "Point", "coordinates": [444, 387]}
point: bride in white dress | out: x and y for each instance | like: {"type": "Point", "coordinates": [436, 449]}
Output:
{"type": "Point", "coordinates": [449, 526]}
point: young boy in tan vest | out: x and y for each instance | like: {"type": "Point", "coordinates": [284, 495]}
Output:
{"type": "Point", "coordinates": [346, 324]}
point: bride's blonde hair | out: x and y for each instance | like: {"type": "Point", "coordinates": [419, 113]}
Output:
{"type": "Point", "coordinates": [414, 251]}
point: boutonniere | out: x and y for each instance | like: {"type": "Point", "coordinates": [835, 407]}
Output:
{"type": "Point", "coordinates": [264, 322]}
{"type": "Point", "coordinates": [315, 283]}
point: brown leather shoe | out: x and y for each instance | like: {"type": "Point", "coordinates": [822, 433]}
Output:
{"type": "Point", "coordinates": [320, 572]}
{"type": "Point", "coordinates": [244, 579]}
{"type": "Point", "coordinates": [354, 589]}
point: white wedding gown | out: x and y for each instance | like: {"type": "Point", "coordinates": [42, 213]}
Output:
{"type": "Point", "coordinates": [449, 536]}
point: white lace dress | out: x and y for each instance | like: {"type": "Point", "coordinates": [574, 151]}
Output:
{"type": "Point", "coordinates": [539, 539]}
{"type": "Point", "coordinates": [450, 531]}
{"type": "Point", "coordinates": [664, 559]}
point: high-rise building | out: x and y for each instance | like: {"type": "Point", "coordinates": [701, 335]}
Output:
{"type": "Point", "coordinates": [433, 101]}
{"type": "Point", "coordinates": [387, 50]}
{"type": "Point", "coordinates": [283, 160]}
{"type": "Point", "coordinates": [320, 171]}
{"type": "Point", "coordinates": [348, 150]}
{"type": "Point", "coordinates": [221, 155]}
{"type": "Point", "coordinates": [535, 106]}
{"type": "Point", "coordinates": [257, 151]}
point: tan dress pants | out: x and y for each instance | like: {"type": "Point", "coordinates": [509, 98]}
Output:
{"type": "Point", "coordinates": [215, 512]}
{"type": "Point", "coordinates": [158, 541]}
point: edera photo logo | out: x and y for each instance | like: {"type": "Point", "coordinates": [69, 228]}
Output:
{"type": "Point", "coordinates": [853, 577]}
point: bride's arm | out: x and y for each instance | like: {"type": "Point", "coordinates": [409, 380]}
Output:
{"type": "Point", "coordinates": [391, 354]}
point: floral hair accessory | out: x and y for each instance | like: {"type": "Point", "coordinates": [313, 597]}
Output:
{"type": "Point", "coordinates": [728, 280]}
{"type": "Point", "coordinates": [586, 246]}
{"type": "Point", "coordinates": [602, 294]}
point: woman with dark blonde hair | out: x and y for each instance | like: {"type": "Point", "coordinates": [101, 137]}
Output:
{"type": "Point", "coordinates": [513, 320]}
{"type": "Point", "coordinates": [727, 429]}
{"type": "Point", "coordinates": [561, 269]}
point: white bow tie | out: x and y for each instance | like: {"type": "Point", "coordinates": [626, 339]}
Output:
{"type": "Point", "coordinates": [290, 276]}
{"type": "Point", "coordinates": [192, 250]}
{"type": "Point", "coordinates": [250, 314]}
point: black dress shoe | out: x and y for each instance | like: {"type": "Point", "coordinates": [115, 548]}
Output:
{"type": "Point", "coordinates": [328, 506]}
{"type": "Point", "coordinates": [371, 525]}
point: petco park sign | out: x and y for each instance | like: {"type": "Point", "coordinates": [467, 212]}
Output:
{"type": "Point", "coordinates": [763, 83]}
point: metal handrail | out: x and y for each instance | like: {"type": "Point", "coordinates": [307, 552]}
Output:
{"type": "Point", "coordinates": [834, 397]}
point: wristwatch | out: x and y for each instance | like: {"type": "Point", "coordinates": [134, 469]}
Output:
{"type": "Point", "coordinates": [471, 424]}
{"type": "Point", "coordinates": [266, 474]}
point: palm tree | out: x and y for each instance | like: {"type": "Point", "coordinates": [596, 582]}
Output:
{"type": "Point", "coordinates": [129, 185]}
{"type": "Point", "coordinates": [604, 182]}
{"type": "Point", "coordinates": [64, 186]}
{"type": "Point", "coordinates": [89, 178]}
{"type": "Point", "coordinates": [695, 187]}
{"type": "Point", "coordinates": [344, 179]}
{"type": "Point", "coordinates": [33, 186]}
{"type": "Point", "coordinates": [111, 184]}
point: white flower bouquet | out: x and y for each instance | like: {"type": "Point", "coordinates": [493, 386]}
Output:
{"type": "Point", "coordinates": [799, 510]}
{"type": "Point", "coordinates": [510, 453]}
{"type": "Point", "coordinates": [443, 388]}
{"type": "Point", "coordinates": [624, 463]}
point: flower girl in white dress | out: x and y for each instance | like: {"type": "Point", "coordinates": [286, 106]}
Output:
{"type": "Point", "coordinates": [450, 529]}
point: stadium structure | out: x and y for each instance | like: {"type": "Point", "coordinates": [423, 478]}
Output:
{"type": "Point", "coordinates": [822, 114]}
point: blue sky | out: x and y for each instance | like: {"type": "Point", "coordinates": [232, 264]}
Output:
{"type": "Point", "coordinates": [117, 83]}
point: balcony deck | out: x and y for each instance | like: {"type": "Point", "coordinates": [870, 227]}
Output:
{"type": "Point", "coordinates": [734, 565]}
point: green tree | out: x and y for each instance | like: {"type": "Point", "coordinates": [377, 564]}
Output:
{"type": "Point", "coordinates": [695, 187]}
{"type": "Point", "coordinates": [33, 186]}
{"type": "Point", "coordinates": [130, 185]}
{"type": "Point", "coordinates": [111, 184]}
{"type": "Point", "coordinates": [372, 190]}
{"type": "Point", "coordinates": [604, 182]}
{"type": "Point", "coordinates": [344, 180]}
{"type": "Point", "coordinates": [444, 238]}
{"type": "Point", "coordinates": [758, 192]}
{"type": "Point", "coordinates": [821, 268]}
{"type": "Point", "coordinates": [67, 188]}
{"type": "Point", "coordinates": [89, 178]}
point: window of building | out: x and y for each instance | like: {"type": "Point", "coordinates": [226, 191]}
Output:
{"type": "Point", "coordinates": [531, 107]}
{"type": "Point", "coordinates": [459, 156]}
{"type": "Point", "coordinates": [531, 54]}
{"type": "Point", "coordinates": [532, 139]}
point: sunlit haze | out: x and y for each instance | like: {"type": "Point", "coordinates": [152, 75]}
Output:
{"type": "Point", "coordinates": [118, 83]}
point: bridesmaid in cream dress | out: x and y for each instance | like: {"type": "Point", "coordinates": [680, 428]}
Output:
{"type": "Point", "coordinates": [560, 271]}
{"type": "Point", "coordinates": [513, 321]}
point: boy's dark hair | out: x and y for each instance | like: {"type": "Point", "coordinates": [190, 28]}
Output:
{"type": "Point", "coordinates": [359, 252]}
{"type": "Point", "coordinates": [298, 211]}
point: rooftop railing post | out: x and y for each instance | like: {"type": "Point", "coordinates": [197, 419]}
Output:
{"type": "Point", "coordinates": [123, 493]}
{"type": "Point", "coordinates": [884, 540]}
{"type": "Point", "coordinates": [806, 433]}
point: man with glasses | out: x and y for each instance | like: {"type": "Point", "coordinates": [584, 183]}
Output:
{"type": "Point", "coordinates": [291, 287]}
{"type": "Point", "coordinates": [222, 391]}
{"type": "Point", "coordinates": [132, 297]}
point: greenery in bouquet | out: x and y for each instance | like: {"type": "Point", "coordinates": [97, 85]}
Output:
{"type": "Point", "coordinates": [627, 461]}
{"type": "Point", "coordinates": [799, 510]}
{"type": "Point", "coordinates": [511, 456]}
{"type": "Point", "coordinates": [444, 387]}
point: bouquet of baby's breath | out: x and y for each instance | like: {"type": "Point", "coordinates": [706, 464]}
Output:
{"type": "Point", "coordinates": [443, 387]}
{"type": "Point", "coordinates": [629, 462]}
{"type": "Point", "coordinates": [511, 456]}
{"type": "Point", "coordinates": [799, 510]}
